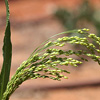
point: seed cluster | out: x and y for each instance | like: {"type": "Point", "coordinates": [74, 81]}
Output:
{"type": "Point", "coordinates": [44, 60]}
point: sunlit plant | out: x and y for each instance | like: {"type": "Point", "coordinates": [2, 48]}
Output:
{"type": "Point", "coordinates": [45, 59]}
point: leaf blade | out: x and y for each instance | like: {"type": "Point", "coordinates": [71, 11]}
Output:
{"type": "Point", "coordinates": [7, 54]}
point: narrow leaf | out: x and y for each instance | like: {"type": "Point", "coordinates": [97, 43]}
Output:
{"type": "Point", "coordinates": [7, 54]}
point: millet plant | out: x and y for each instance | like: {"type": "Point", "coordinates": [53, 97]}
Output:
{"type": "Point", "coordinates": [43, 62]}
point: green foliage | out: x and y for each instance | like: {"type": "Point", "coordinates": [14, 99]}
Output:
{"type": "Point", "coordinates": [85, 12]}
{"type": "Point", "coordinates": [7, 53]}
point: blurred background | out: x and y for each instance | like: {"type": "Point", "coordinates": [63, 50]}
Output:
{"type": "Point", "coordinates": [32, 22]}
